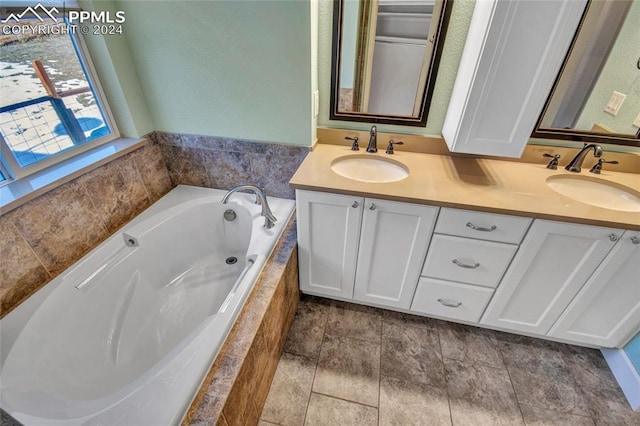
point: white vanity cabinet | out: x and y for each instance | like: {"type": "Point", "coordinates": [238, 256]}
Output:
{"type": "Point", "coordinates": [606, 312]}
{"type": "Point", "coordinates": [569, 282]}
{"type": "Point", "coordinates": [363, 249]}
{"type": "Point", "coordinates": [553, 263]}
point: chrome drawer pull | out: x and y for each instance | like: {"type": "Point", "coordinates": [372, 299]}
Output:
{"type": "Point", "coordinates": [480, 228]}
{"type": "Point", "coordinates": [450, 303]}
{"type": "Point", "coordinates": [465, 265]}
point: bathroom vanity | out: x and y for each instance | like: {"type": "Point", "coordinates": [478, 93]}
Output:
{"type": "Point", "coordinates": [476, 241]}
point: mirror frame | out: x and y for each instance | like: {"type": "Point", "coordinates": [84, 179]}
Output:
{"type": "Point", "coordinates": [573, 134]}
{"type": "Point", "coordinates": [421, 119]}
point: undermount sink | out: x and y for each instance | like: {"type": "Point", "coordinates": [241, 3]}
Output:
{"type": "Point", "coordinates": [369, 169]}
{"type": "Point", "coordinates": [596, 192]}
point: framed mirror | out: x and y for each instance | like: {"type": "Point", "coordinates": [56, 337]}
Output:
{"type": "Point", "coordinates": [596, 97]}
{"type": "Point", "coordinates": [385, 59]}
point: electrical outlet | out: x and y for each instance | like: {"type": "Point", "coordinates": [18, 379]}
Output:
{"type": "Point", "coordinates": [636, 122]}
{"type": "Point", "coordinates": [316, 103]}
{"type": "Point", "coordinates": [614, 104]}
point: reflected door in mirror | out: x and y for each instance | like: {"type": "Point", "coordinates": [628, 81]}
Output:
{"type": "Point", "coordinates": [385, 59]}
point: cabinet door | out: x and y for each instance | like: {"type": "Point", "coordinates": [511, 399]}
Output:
{"type": "Point", "coordinates": [554, 261]}
{"type": "Point", "coordinates": [393, 245]}
{"type": "Point", "coordinates": [607, 310]}
{"type": "Point", "coordinates": [328, 233]}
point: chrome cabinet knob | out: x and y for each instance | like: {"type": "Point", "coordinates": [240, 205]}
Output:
{"type": "Point", "coordinates": [613, 237]}
{"type": "Point", "coordinates": [355, 204]}
{"type": "Point", "coordinates": [373, 206]}
{"type": "Point", "coordinates": [635, 240]}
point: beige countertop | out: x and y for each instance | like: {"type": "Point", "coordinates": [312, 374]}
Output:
{"type": "Point", "coordinates": [490, 185]}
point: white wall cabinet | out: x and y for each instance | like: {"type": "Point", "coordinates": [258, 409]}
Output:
{"type": "Point", "coordinates": [553, 263]}
{"type": "Point", "coordinates": [606, 312]}
{"type": "Point", "coordinates": [376, 245]}
{"type": "Point", "coordinates": [512, 55]}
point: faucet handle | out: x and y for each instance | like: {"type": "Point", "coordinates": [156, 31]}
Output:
{"type": "Point", "coordinates": [597, 168]}
{"type": "Point", "coordinates": [553, 164]}
{"type": "Point", "coordinates": [390, 146]}
{"type": "Point", "coordinates": [354, 145]}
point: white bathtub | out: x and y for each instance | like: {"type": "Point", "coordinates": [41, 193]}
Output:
{"type": "Point", "coordinates": [127, 334]}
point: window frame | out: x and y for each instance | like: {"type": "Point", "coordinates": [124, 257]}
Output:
{"type": "Point", "coordinates": [9, 165]}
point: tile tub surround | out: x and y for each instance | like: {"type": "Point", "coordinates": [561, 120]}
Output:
{"type": "Point", "coordinates": [44, 236]}
{"type": "Point", "coordinates": [218, 162]}
{"type": "Point", "coordinates": [237, 384]}
{"type": "Point", "coordinates": [392, 368]}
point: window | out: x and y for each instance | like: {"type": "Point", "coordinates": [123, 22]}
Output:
{"type": "Point", "coordinates": [51, 106]}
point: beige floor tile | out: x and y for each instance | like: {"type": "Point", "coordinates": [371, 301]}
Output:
{"type": "Point", "coordinates": [400, 318]}
{"type": "Point", "coordinates": [609, 407]}
{"type": "Point", "coordinates": [288, 396]}
{"type": "Point", "coordinates": [404, 403]}
{"type": "Point", "coordinates": [535, 416]}
{"type": "Point", "coordinates": [539, 390]}
{"type": "Point", "coordinates": [589, 368]}
{"type": "Point", "coordinates": [481, 395]}
{"type": "Point", "coordinates": [326, 411]}
{"type": "Point", "coordinates": [470, 344]}
{"type": "Point", "coordinates": [413, 354]}
{"type": "Point", "coordinates": [357, 324]}
{"type": "Point", "coordinates": [349, 369]}
{"type": "Point", "coordinates": [307, 330]}
{"type": "Point", "coordinates": [536, 356]}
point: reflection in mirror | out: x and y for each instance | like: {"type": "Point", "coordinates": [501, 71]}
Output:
{"type": "Point", "coordinates": [385, 59]}
{"type": "Point", "coordinates": [597, 94]}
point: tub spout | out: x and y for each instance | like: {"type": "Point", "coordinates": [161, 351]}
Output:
{"type": "Point", "coordinates": [269, 218]}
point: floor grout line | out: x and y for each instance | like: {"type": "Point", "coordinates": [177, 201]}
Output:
{"type": "Point", "coordinates": [380, 365]}
{"type": "Point", "coordinates": [344, 399]}
{"type": "Point", "coordinates": [446, 387]}
{"type": "Point", "coordinates": [315, 370]}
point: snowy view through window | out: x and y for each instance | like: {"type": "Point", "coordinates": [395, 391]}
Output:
{"type": "Point", "coordinates": [40, 118]}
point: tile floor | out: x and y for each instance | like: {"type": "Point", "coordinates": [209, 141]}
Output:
{"type": "Point", "coordinates": [346, 364]}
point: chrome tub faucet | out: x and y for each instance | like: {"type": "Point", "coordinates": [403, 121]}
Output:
{"type": "Point", "coordinates": [261, 198]}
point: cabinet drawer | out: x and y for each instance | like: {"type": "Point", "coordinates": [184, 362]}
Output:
{"type": "Point", "coordinates": [450, 300]}
{"type": "Point", "coordinates": [466, 260]}
{"type": "Point", "coordinates": [484, 226]}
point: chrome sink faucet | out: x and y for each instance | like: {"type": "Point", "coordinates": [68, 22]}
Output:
{"type": "Point", "coordinates": [261, 198]}
{"type": "Point", "coordinates": [373, 140]}
{"type": "Point", "coordinates": [575, 165]}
